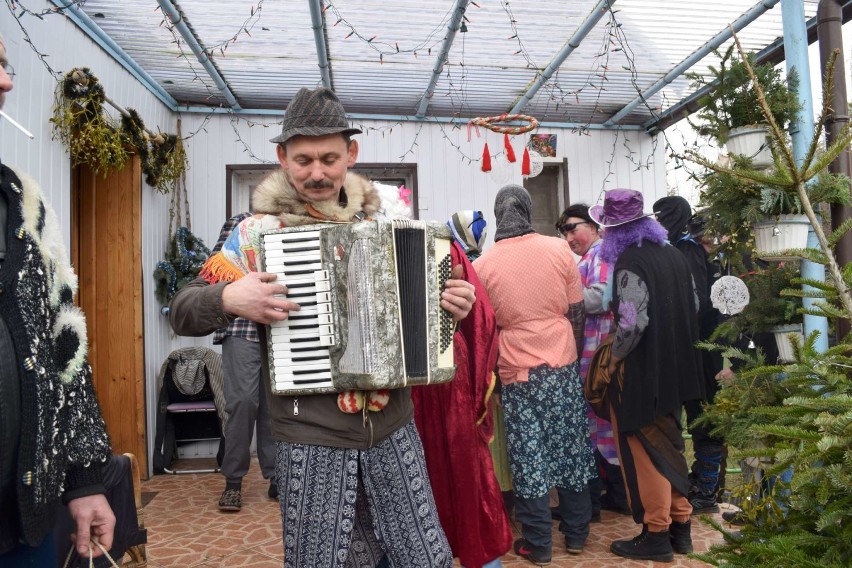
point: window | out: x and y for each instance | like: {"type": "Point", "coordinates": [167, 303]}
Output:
{"type": "Point", "coordinates": [242, 179]}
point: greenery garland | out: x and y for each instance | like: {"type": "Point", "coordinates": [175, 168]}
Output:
{"type": "Point", "coordinates": [93, 139]}
{"type": "Point", "coordinates": [184, 259]}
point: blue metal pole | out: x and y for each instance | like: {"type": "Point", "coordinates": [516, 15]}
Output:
{"type": "Point", "coordinates": [100, 37]}
{"type": "Point", "coordinates": [452, 29]}
{"type": "Point", "coordinates": [801, 130]}
{"type": "Point", "coordinates": [319, 39]}
{"type": "Point", "coordinates": [176, 19]}
{"type": "Point", "coordinates": [602, 7]}
{"type": "Point", "coordinates": [400, 118]}
{"type": "Point", "coordinates": [752, 14]}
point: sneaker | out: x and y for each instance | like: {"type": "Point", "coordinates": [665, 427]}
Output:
{"type": "Point", "coordinates": [736, 518]}
{"type": "Point", "coordinates": [573, 547]}
{"type": "Point", "coordinates": [703, 504]}
{"type": "Point", "coordinates": [231, 500]}
{"type": "Point", "coordinates": [537, 556]}
{"type": "Point", "coordinates": [273, 490]}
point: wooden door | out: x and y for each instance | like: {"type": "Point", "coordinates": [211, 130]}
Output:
{"type": "Point", "coordinates": [544, 193]}
{"type": "Point", "coordinates": [106, 249]}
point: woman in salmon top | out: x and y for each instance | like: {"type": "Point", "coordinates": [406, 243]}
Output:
{"type": "Point", "coordinates": [535, 288]}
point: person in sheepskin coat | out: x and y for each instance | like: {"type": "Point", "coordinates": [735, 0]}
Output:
{"type": "Point", "coordinates": [53, 442]}
{"type": "Point", "coordinates": [352, 480]}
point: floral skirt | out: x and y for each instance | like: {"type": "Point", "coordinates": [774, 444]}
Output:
{"type": "Point", "coordinates": [547, 432]}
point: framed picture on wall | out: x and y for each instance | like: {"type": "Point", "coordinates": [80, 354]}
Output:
{"type": "Point", "coordinates": [544, 144]}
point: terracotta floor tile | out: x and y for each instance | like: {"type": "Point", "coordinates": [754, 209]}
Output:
{"type": "Point", "coordinates": [186, 529]}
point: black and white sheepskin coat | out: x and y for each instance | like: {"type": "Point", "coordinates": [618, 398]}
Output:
{"type": "Point", "coordinates": [63, 439]}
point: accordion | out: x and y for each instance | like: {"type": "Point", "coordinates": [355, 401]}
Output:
{"type": "Point", "coordinates": [370, 317]}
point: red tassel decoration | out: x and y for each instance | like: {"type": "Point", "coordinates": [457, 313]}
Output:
{"type": "Point", "coordinates": [486, 159]}
{"type": "Point", "coordinates": [510, 152]}
{"type": "Point", "coordinates": [525, 163]}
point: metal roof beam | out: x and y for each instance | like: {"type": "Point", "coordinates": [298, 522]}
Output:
{"type": "Point", "coordinates": [452, 29]}
{"type": "Point", "coordinates": [395, 118]}
{"type": "Point", "coordinates": [85, 23]}
{"type": "Point", "coordinates": [573, 43]}
{"type": "Point", "coordinates": [752, 14]}
{"type": "Point", "coordinates": [318, 25]}
{"type": "Point", "coordinates": [773, 53]}
{"type": "Point", "coordinates": [177, 20]}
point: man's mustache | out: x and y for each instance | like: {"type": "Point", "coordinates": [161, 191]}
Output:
{"type": "Point", "coordinates": [322, 184]}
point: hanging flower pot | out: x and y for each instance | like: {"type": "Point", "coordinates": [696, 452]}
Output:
{"type": "Point", "coordinates": [774, 236]}
{"type": "Point", "coordinates": [782, 340]}
{"type": "Point", "coordinates": [751, 142]}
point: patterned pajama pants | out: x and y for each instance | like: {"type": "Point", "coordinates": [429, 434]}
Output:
{"type": "Point", "coordinates": [347, 508]}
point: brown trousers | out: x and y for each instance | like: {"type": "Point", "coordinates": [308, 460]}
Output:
{"type": "Point", "coordinates": [658, 501]}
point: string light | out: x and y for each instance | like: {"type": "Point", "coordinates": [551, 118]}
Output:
{"type": "Point", "coordinates": [614, 42]}
{"type": "Point", "coordinates": [389, 47]}
{"type": "Point", "coordinates": [250, 22]}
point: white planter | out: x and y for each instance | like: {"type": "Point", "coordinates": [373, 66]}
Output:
{"type": "Point", "coordinates": [782, 340]}
{"type": "Point", "coordinates": [776, 235]}
{"type": "Point", "coordinates": [752, 142]}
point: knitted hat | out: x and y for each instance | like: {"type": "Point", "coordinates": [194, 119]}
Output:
{"type": "Point", "coordinates": [314, 113]}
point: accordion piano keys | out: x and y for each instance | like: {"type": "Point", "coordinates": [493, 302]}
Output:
{"type": "Point", "coordinates": [300, 356]}
{"type": "Point", "coordinates": [386, 279]}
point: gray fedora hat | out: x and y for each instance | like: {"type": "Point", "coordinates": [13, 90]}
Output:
{"type": "Point", "coordinates": [314, 113]}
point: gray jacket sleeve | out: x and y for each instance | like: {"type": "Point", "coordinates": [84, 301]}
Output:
{"type": "Point", "coordinates": [196, 309]}
{"type": "Point", "coordinates": [593, 298]}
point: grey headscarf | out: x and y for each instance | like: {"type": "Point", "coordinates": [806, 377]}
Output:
{"type": "Point", "coordinates": [513, 209]}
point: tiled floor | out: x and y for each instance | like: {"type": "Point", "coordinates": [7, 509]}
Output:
{"type": "Point", "coordinates": [186, 529]}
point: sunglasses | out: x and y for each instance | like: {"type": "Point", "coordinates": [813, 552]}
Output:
{"type": "Point", "coordinates": [568, 227]}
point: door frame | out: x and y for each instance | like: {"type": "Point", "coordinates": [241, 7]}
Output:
{"type": "Point", "coordinates": [139, 445]}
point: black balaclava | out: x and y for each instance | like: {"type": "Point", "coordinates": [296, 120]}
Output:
{"type": "Point", "coordinates": [673, 213]}
{"type": "Point", "coordinates": [513, 209]}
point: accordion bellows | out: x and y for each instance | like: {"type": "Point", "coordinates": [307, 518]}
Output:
{"type": "Point", "coordinates": [370, 313]}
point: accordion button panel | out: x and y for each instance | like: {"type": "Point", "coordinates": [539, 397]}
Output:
{"type": "Point", "coordinates": [299, 356]}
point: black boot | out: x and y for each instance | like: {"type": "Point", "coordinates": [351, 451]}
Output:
{"type": "Point", "coordinates": [647, 546]}
{"type": "Point", "coordinates": [681, 537]}
{"type": "Point", "coordinates": [509, 503]}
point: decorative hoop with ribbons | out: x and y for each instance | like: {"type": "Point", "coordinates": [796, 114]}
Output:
{"type": "Point", "coordinates": [491, 123]}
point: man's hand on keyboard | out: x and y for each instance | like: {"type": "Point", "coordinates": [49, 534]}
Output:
{"type": "Point", "coordinates": [458, 295]}
{"type": "Point", "coordinates": [255, 297]}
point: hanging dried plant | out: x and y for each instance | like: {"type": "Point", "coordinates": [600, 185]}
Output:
{"type": "Point", "coordinates": [78, 120]}
{"type": "Point", "coordinates": [94, 139]}
{"type": "Point", "coordinates": [166, 164]}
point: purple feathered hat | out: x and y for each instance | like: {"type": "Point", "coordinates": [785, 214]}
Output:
{"type": "Point", "coordinates": [620, 206]}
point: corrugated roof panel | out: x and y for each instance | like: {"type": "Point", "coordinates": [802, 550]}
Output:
{"type": "Point", "coordinates": [135, 27]}
{"type": "Point", "coordinates": [382, 54]}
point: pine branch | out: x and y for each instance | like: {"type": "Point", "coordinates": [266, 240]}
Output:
{"type": "Point", "coordinates": [839, 232]}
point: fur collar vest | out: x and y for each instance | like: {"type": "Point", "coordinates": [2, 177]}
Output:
{"type": "Point", "coordinates": [276, 195]}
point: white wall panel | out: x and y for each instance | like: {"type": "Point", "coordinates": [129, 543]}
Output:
{"type": "Point", "coordinates": [446, 181]}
